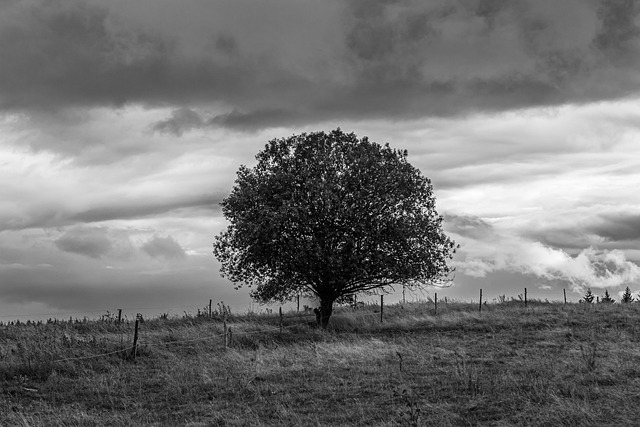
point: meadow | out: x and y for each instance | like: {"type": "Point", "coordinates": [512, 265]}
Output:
{"type": "Point", "coordinates": [545, 364]}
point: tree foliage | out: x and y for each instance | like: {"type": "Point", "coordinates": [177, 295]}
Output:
{"type": "Point", "coordinates": [606, 299]}
{"type": "Point", "coordinates": [588, 297]}
{"type": "Point", "coordinates": [331, 215]}
{"type": "Point", "coordinates": [626, 296]}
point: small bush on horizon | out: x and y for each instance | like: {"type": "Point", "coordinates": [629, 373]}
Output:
{"type": "Point", "coordinates": [606, 299]}
{"type": "Point", "coordinates": [588, 297]}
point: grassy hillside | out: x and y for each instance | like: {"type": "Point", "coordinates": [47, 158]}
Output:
{"type": "Point", "coordinates": [547, 364]}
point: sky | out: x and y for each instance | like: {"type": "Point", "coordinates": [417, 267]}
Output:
{"type": "Point", "coordinates": [123, 123]}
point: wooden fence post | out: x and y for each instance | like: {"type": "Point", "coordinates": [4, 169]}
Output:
{"type": "Point", "coordinates": [224, 326]}
{"type": "Point", "coordinates": [119, 315]}
{"type": "Point", "coordinates": [209, 308]}
{"type": "Point", "coordinates": [298, 303]}
{"type": "Point", "coordinates": [480, 305]}
{"type": "Point", "coordinates": [280, 320]}
{"type": "Point", "coordinates": [435, 302]}
{"type": "Point", "coordinates": [564, 291]}
{"type": "Point", "coordinates": [525, 297]}
{"type": "Point", "coordinates": [381, 307]}
{"type": "Point", "coordinates": [134, 350]}
{"type": "Point", "coordinates": [404, 301]}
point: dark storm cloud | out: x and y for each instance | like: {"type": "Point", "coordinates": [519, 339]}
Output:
{"type": "Point", "coordinates": [619, 32]}
{"type": "Point", "coordinates": [444, 58]}
{"type": "Point", "coordinates": [74, 54]}
{"type": "Point", "coordinates": [163, 247]}
{"type": "Point", "coordinates": [352, 60]}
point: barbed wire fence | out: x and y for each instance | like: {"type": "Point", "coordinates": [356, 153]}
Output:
{"type": "Point", "coordinates": [131, 313]}
{"type": "Point", "coordinates": [219, 312]}
{"type": "Point", "coordinates": [222, 312]}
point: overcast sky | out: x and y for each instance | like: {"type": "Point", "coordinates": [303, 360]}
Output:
{"type": "Point", "coordinates": [122, 125]}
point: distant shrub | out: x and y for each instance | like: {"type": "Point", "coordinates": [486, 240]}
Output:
{"type": "Point", "coordinates": [606, 299]}
{"type": "Point", "coordinates": [588, 297]}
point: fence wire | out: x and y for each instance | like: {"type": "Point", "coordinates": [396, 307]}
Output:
{"type": "Point", "coordinates": [191, 340]}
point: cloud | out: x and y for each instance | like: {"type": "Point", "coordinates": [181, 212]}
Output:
{"type": "Point", "coordinates": [97, 275]}
{"type": "Point", "coordinates": [181, 120]}
{"type": "Point", "coordinates": [257, 119]}
{"type": "Point", "coordinates": [590, 267]}
{"type": "Point", "coordinates": [474, 267]}
{"type": "Point", "coordinates": [94, 287]}
{"type": "Point", "coordinates": [54, 214]}
{"type": "Point", "coordinates": [617, 226]}
{"type": "Point", "coordinates": [185, 120]}
{"type": "Point", "coordinates": [619, 31]}
{"type": "Point", "coordinates": [607, 226]}
{"type": "Point", "coordinates": [499, 102]}
{"type": "Point", "coordinates": [163, 247]}
{"type": "Point", "coordinates": [467, 226]}
{"type": "Point", "coordinates": [90, 242]}
{"type": "Point", "coordinates": [291, 63]}
{"type": "Point", "coordinates": [140, 208]}
{"type": "Point", "coordinates": [46, 190]}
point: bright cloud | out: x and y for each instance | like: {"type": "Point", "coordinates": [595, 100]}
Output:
{"type": "Point", "coordinates": [496, 251]}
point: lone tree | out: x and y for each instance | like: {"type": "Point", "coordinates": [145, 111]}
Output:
{"type": "Point", "coordinates": [331, 215]}
{"type": "Point", "coordinates": [626, 296]}
{"type": "Point", "coordinates": [606, 299]}
{"type": "Point", "coordinates": [588, 297]}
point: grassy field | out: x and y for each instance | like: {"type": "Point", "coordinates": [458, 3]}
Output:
{"type": "Point", "coordinates": [547, 364]}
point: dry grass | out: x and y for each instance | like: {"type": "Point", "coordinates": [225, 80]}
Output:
{"type": "Point", "coordinates": [545, 365]}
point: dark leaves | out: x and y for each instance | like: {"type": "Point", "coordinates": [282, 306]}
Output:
{"type": "Point", "coordinates": [331, 214]}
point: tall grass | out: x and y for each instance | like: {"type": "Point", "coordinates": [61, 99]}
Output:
{"type": "Point", "coordinates": [549, 364]}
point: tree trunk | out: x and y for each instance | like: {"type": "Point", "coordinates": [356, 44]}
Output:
{"type": "Point", "coordinates": [324, 313]}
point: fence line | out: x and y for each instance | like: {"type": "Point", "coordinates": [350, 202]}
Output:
{"type": "Point", "coordinates": [201, 308]}
{"type": "Point", "coordinates": [264, 328]}
{"type": "Point", "coordinates": [190, 340]}
{"type": "Point", "coordinates": [192, 308]}
{"type": "Point", "coordinates": [177, 309]}
{"type": "Point", "coordinates": [92, 356]}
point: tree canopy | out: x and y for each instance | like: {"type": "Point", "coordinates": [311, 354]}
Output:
{"type": "Point", "coordinates": [627, 297]}
{"type": "Point", "coordinates": [588, 297]}
{"type": "Point", "coordinates": [331, 215]}
{"type": "Point", "coordinates": [606, 299]}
